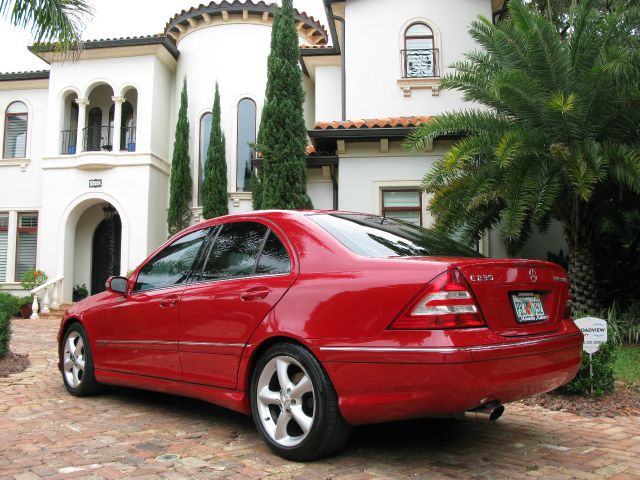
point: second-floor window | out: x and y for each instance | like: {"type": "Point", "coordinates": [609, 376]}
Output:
{"type": "Point", "coordinates": [15, 131]}
{"type": "Point", "coordinates": [419, 56]}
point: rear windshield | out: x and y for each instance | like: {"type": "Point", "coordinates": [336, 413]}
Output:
{"type": "Point", "coordinates": [374, 236]}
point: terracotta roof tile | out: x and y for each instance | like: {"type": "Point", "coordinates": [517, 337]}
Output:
{"type": "Point", "coordinates": [389, 122]}
{"type": "Point", "coordinates": [215, 5]}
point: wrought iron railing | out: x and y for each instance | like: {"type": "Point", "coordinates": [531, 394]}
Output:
{"type": "Point", "coordinates": [420, 63]}
{"type": "Point", "coordinates": [128, 139]}
{"type": "Point", "coordinates": [97, 138]}
{"type": "Point", "coordinates": [68, 142]}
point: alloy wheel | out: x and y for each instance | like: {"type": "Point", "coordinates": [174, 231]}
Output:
{"type": "Point", "coordinates": [285, 401]}
{"type": "Point", "coordinates": [74, 359]}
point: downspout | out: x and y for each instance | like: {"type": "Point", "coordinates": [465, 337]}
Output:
{"type": "Point", "coordinates": [334, 181]}
{"type": "Point", "coordinates": [343, 68]}
{"type": "Point", "coordinates": [343, 64]}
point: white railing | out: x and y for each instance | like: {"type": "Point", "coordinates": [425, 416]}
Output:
{"type": "Point", "coordinates": [56, 286]}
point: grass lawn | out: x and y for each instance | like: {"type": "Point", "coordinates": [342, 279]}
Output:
{"type": "Point", "coordinates": [627, 366]}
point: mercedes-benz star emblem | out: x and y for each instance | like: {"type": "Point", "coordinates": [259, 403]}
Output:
{"type": "Point", "coordinates": [533, 275]}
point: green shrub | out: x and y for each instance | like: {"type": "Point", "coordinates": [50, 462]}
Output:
{"type": "Point", "coordinates": [603, 377]}
{"type": "Point", "coordinates": [624, 324]}
{"type": "Point", "coordinates": [7, 303]}
{"type": "Point", "coordinates": [5, 330]}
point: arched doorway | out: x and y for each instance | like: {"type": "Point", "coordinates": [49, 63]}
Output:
{"type": "Point", "coordinates": [106, 249]}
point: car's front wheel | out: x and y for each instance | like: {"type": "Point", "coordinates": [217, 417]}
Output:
{"type": "Point", "coordinates": [295, 406]}
{"type": "Point", "coordinates": [77, 362]}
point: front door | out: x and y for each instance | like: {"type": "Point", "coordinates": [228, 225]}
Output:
{"type": "Point", "coordinates": [145, 321]}
{"type": "Point", "coordinates": [105, 255]}
{"type": "Point", "coordinates": [246, 272]}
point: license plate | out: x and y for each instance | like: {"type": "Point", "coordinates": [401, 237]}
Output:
{"type": "Point", "coordinates": [528, 307]}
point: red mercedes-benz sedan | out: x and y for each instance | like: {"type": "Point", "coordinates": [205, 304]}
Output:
{"type": "Point", "coordinates": [316, 321]}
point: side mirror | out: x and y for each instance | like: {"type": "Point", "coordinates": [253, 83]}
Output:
{"type": "Point", "coordinates": [117, 285]}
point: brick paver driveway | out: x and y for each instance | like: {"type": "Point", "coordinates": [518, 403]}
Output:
{"type": "Point", "coordinates": [44, 432]}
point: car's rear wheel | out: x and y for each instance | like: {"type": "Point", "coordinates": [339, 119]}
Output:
{"type": "Point", "coordinates": [295, 406]}
{"type": "Point", "coordinates": [77, 363]}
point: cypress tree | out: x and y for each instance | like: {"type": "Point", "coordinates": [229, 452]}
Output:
{"type": "Point", "coordinates": [256, 190]}
{"type": "Point", "coordinates": [283, 135]}
{"type": "Point", "coordinates": [179, 215]}
{"type": "Point", "coordinates": [214, 185]}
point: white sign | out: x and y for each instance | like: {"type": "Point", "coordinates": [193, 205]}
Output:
{"type": "Point", "coordinates": [594, 331]}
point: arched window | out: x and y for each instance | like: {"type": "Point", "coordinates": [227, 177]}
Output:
{"type": "Point", "coordinates": [205, 133]}
{"type": "Point", "coordinates": [420, 56]}
{"type": "Point", "coordinates": [246, 139]}
{"type": "Point", "coordinates": [15, 131]}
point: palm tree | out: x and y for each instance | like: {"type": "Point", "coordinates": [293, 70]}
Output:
{"type": "Point", "coordinates": [557, 120]}
{"type": "Point", "coordinates": [56, 21]}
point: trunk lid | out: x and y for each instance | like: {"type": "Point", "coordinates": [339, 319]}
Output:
{"type": "Point", "coordinates": [518, 297]}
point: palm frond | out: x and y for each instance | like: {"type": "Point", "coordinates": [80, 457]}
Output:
{"type": "Point", "coordinates": [51, 21]}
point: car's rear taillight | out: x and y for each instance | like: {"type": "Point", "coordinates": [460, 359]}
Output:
{"type": "Point", "coordinates": [447, 302]}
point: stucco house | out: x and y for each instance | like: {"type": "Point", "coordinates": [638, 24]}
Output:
{"type": "Point", "coordinates": [87, 144]}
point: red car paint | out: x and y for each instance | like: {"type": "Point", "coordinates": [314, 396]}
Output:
{"type": "Point", "coordinates": [201, 340]}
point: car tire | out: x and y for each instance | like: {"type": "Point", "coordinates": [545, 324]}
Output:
{"type": "Point", "coordinates": [77, 363]}
{"type": "Point", "coordinates": [299, 420]}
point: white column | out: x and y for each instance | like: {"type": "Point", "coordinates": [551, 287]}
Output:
{"type": "Point", "coordinates": [82, 115]}
{"type": "Point", "coordinates": [117, 121]}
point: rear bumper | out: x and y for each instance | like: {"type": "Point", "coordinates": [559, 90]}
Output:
{"type": "Point", "coordinates": [384, 383]}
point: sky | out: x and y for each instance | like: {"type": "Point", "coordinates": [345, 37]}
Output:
{"type": "Point", "coordinates": [112, 19]}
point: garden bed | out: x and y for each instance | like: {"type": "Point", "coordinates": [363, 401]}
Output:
{"type": "Point", "coordinates": [13, 363]}
{"type": "Point", "coordinates": [623, 401]}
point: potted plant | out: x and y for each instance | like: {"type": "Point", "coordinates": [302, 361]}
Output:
{"type": "Point", "coordinates": [33, 279]}
{"type": "Point", "coordinates": [80, 292]}
{"type": "Point", "coordinates": [30, 280]}
{"type": "Point", "coordinates": [23, 306]}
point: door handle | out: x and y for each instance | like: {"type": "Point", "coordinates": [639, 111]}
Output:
{"type": "Point", "coordinates": [255, 293]}
{"type": "Point", "coordinates": [169, 301]}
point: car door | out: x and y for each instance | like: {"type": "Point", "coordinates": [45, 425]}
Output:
{"type": "Point", "coordinates": [145, 321]}
{"type": "Point", "coordinates": [245, 272]}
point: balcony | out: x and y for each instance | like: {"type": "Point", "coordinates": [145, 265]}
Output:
{"type": "Point", "coordinates": [128, 139]}
{"type": "Point", "coordinates": [68, 142]}
{"type": "Point", "coordinates": [97, 138]}
{"type": "Point", "coordinates": [420, 69]}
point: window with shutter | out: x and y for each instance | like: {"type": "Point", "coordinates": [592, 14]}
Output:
{"type": "Point", "coordinates": [15, 131]}
{"type": "Point", "coordinates": [27, 243]}
{"type": "Point", "coordinates": [4, 235]}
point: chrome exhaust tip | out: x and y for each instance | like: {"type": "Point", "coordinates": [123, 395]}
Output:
{"type": "Point", "coordinates": [493, 410]}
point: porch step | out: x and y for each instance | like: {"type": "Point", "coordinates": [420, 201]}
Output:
{"type": "Point", "coordinates": [56, 314]}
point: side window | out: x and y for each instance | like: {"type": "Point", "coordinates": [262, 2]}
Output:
{"type": "Point", "coordinates": [274, 258]}
{"type": "Point", "coordinates": [172, 265]}
{"type": "Point", "coordinates": [235, 251]}
{"type": "Point", "coordinates": [419, 55]}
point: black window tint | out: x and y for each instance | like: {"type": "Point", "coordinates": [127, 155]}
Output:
{"type": "Point", "coordinates": [235, 251]}
{"type": "Point", "coordinates": [274, 258]}
{"type": "Point", "coordinates": [374, 236]}
{"type": "Point", "coordinates": [172, 265]}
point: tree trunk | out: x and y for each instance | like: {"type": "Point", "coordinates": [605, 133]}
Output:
{"type": "Point", "coordinates": [582, 278]}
